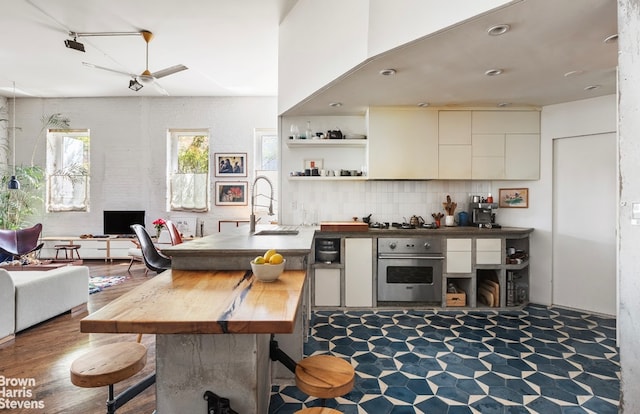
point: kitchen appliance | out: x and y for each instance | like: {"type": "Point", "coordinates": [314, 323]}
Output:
{"type": "Point", "coordinates": [410, 269]}
{"type": "Point", "coordinates": [482, 214]}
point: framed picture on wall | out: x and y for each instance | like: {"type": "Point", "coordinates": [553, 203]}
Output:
{"type": "Point", "coordinates": [514, 198]}
{"type": "Point", "coordinates": [231, 164]}
{"type": "Point", "coordinates": [231, 193]}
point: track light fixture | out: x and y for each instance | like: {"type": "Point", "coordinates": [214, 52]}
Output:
{"type": "Point", "coordinates": [134, 85]}
{"type": "Point", "coordinates": [74, 44]}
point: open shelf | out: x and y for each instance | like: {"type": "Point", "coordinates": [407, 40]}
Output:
{"type": "Point", "coordinates": [326, 143]}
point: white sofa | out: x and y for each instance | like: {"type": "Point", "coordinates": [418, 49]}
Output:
{"type": "Point", "coordinates": [31, 297]}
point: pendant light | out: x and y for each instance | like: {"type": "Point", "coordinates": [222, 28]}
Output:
{"type": "Point", "coordinates": [14, 184]}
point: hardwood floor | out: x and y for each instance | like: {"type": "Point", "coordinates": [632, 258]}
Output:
{"type": "Point", "coordinates": [44, 352]}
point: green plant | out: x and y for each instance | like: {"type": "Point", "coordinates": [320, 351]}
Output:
{"type": "Point", "coordinates": [194, 158]}
{"type": "Point", "coordinates": [18, 206]}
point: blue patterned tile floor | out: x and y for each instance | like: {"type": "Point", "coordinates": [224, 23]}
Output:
{"type": "Point", "coordinates": [539, 359]}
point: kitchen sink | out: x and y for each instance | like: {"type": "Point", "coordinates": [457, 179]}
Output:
{"type": "Point", "coordinates": [277, 232]}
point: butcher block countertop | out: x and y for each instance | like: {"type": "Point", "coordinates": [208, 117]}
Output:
{"type": "Point", "coordinates": [203, 302]}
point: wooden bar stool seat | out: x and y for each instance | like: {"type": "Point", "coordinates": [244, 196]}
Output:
{"type": "Point", "coordinates": [324, 376]}
{"type": "Point", "coordinates": [110, 364]}
{"type": "Point", "coordinates": [68, 250]}
{"type": "Point", "coordinates": [318, 410]}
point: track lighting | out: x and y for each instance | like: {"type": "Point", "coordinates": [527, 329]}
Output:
{"type": "Point", "coordinates": [134, 85]}
{"type": "Point", "coordinates": [74, 44]}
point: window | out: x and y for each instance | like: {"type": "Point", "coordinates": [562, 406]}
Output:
{"type": "Point", "coordinates": [266, 164]}
{"type": "Point", "coordinates": [67, 170]}
{"type": "Point", "coordinates": [188, 170]}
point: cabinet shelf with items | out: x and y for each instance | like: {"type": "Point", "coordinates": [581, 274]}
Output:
{"type": "Point", "coordinates": [331, 178]}
{"type": "Point", "coordinates": [336, 143]}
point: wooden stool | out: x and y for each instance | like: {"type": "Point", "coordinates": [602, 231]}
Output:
{"type": "Point", "coordinates": [110, 364]}
{"type": "Point", "coordinates": [325, 376]}
{"type": "Point", "coordinates": [318, 410]}
{"type": "Point", "coordinates": [67, 248]}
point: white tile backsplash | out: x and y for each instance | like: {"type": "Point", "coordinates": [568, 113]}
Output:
{"type": "Point", "coordinates": [391, 201]}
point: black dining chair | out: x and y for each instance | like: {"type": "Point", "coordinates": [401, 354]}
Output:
{"type": "Point", "coordinates": [153, 259]}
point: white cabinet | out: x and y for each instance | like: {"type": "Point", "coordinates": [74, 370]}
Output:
{"type": "Point", "coordinates": [487, 162]}
{"type": "Point", "coordinates": [358, 271]}
{"type": "Point", "coordinates": [505, 122]}
{"type": "Point", "coordinates": [119, 249]}
{"type": "Point", "coordinates": [489, 145]}
{"type": "Point", "coordinates": [489, 251]}
{"type": "Point", "coordinates": [458, 258]}
{"type": "Point", "coordinates": [326, 287]}
{"type": "Point", "coordinates": [403, 143]}
{"type": "Point", "coordinates": [506, 145]}
{"type": "Point", "coordinates": [522, 156]}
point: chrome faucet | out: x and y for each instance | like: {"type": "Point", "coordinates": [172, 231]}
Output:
{"type": "Point", "coordinates": [252, 217]}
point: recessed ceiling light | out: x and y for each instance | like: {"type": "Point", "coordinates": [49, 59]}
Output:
{"type": "Point", "coordinates": [498, 30]}
{"type": "Point", "coordinates": [503, 104]}
{"type": "Point", "coordinates": [591, 87]}
{"type": "Point", "coordinates": [574, 73]}
{"type": "Point", "coordinates": [611, 39]}
{"type": "Point", "coordinates": [335, 104]}
{"type": "Point", "coordinates": [493, 72]}
{"type": "Point", "coordinates": [388, 72]}
{"type": "Point", "coordinates": [423, 104]}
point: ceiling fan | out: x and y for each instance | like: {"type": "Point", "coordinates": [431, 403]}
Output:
{"type": "Point", "coordinates": [146, 76]}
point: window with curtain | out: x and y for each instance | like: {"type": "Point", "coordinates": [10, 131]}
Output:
{"type": "Point", "coordinates": [188, 170]}
{"type": "Point", "coordinates": [67, 170]}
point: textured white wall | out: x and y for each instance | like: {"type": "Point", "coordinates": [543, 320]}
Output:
{"type": "Point", "coordinates": [128, 149]}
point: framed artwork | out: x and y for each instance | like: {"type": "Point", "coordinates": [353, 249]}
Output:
{"type": "Point", "coordinates": [231, 164]}
{"type": "Point", "coordinates": [313, 163]}
{"type": "Point", "coordinates": [231, 193]}
{"type": "Point", "coordinates": [513, 198]}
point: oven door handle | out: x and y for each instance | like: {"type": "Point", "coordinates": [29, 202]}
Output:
{"type": "Point", "coordinates": [409, 256]}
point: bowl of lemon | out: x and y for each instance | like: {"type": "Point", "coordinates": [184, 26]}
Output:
{"type": "Point", "coordinates": [269, 266]}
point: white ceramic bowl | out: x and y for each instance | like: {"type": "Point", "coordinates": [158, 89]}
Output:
{"type": "Point", "coordinates": [267, 272]}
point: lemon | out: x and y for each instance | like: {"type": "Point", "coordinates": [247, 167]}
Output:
{"type": "Point", "coordinates": [276, 259]}
{"type": "Point", "coordinates": [259, 260]}
{"type": "Point", "coordinates": [268, 254]}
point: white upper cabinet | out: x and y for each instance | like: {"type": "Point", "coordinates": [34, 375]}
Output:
{"type": "Point", "coordinates": [454, 145]}
{"type": "Point", "coordinates": [403, 143]}
{"type": "Point", "coordinates": [506, 122]}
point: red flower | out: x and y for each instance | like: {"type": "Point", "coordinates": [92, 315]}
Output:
{"type": "Point", "coordinates": [159, 224]}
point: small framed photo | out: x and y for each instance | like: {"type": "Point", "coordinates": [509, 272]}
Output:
{"type": "Point", "coordinates": [231, 164]}
{"type": "Point", "coordinates": [313, 163]}
{"type": "Point", "coordinates": [231, 193]}
{"type": "Point", "coordinates": [513, 198]}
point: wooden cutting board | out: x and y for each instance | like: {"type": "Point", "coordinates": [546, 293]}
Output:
{"type": "Point", "coordinates": [485, 295]}
{"type": "Point", "coordinates": [495, 289]}
{"type": "Point", "coordinates": [343, 226]}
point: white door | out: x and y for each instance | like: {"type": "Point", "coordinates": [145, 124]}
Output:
{"type": "Point", "coordinates": [584, 223]}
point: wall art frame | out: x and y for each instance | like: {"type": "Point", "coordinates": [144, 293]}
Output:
{"type": "Point", "coordinates": [230, 164]}
{"type": "Point", "coordinates": [513, 198]}
{"type": "Point", "coordinates": [232, 193]}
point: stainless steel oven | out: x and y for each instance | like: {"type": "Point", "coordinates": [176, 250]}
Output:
{"type": "Point", "coordinates": [410, 269]}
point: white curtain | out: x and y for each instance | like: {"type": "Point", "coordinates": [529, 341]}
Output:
{"type": "Point", "coordinates": [189, 191]}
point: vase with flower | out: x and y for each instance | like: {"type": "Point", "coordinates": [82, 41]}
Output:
{"type": "Point", "coordinates": [159, 224]}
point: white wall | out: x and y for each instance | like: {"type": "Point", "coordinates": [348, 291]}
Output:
{"type": "Point", "coordinates": [128, 150]}
{"type": "Point", "coordinates": [585, 117]}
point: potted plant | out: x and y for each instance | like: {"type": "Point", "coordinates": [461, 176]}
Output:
{"type": "Point", "coordinates": [18, 206]}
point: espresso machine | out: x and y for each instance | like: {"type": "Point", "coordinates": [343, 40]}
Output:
{"type": "Point", "coordinates": [482, 212]}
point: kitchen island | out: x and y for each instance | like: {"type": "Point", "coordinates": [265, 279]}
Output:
{"type": "Point", "coordinates": [213, 324]}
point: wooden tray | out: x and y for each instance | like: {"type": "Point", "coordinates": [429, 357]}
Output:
{"type": "Point", "coordinates": [343, 226]}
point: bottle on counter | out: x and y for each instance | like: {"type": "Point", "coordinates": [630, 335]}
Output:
{"type": "Point", "coordinates": [489, 198]}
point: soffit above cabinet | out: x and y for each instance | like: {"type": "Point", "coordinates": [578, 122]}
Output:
{"type": "Point", "coordinates": [448, 68]}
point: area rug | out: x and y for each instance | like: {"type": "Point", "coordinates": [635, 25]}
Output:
{"type": "Point", "coordinates": [97, 283]}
